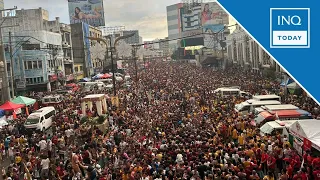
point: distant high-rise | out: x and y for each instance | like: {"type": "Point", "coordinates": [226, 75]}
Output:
{"type": "Point", "coordinates": [174, 24]}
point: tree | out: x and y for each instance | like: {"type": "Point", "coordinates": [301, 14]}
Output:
{"type": "Point", "coordinates": [123, 49]}
{"type": "Point", "coordinates": [98, 51]}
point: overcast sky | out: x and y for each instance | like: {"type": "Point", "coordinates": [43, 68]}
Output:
{"type": "Point", "coordinates": [148, 16]}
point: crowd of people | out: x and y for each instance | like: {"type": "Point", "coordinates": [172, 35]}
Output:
{"type": "Point", "coordinates": [169, 125]}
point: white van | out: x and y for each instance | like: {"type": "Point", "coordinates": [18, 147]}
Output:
{"type": "Point", "coordinates": [249, 105]}
{"type": "Point", "coordinates": [269, 97]}
{"type": "Point", "coordinates": [41, 119]}
{"type": "Point", "coordinates": [272, 127]}
{"type": "Point", "coordinates": [106, 81]}
{"type": "Point", "coordinates": [231, 91]}
{"type": "Point", "coordinates": [275, 108]}
{"type": "Point", "coordinates": [88, 86]}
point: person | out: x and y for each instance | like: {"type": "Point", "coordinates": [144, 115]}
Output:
{"type": "Point", "coordinates": [206, 14]}
{"type": "Point", "coordinates": [45, 164]}
{"type": "Point", "coordinates": [270, 176]}
{"type": "Point", "coordinates": [79, 15]}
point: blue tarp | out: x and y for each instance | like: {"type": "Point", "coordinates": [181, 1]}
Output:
{"type": "Point", "coordinates": [289, 81]}
{"type": "Point", "coordinates": [2, 113]}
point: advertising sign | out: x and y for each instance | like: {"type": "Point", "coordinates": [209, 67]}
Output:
{"type": "Point", "coordinates": [212, 13]}
{"type": "Point", "coordinates": [87, 11]}
{"type": "Point", "coordinates": [211, 40]}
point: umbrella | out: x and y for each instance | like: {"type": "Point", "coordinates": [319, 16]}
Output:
{"type": "Point", "coordinates": [23, 100]}
{"type": "Point", "coordinates": [293, 85]}
{"type": "Point", "coordinates": [9, 106]}
{"type": "Point", "coordinates": [106, 76]}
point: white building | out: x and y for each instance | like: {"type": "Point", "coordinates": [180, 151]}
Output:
{"type": "Point", "coordinates": [244, 52]}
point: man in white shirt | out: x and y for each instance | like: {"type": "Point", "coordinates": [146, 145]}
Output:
{"type": "Point", "coordinates": [43, 145]}
{"type": "Point", "coordinates": [45, 164]}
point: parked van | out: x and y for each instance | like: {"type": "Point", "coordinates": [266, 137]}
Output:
{"type": "Point", "coordinates": [88, 86]}
{"type": "Point", "coordinates": [230, 91]}
{"type": "Point", "coordinates": [106, 81]}
{"type": "Point", "coordinates": [269, 97]}
{"type": "Point", "coordinates": [275, 108]}
{"type": "Point", "coordinates": [51, 100]}
{"type": "Point", "coordinates": [249, 105]}
{"type": "Point", "coordinates": [41, 119]}
{"type": "Point", "coordinates": [274, 127]}
{"type": "Point", "coordinates": [283, 115]}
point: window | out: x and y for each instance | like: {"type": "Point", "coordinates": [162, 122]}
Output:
{"type": "Point", "coordinates": [76, 69]}
{"type": "Point", "coordinates": [81, 68]}
{"type": "Point", "coordinates": [49, 115]}
{"type": "Point", "coordinates": [67, 36]}
{"type": "Point", "coordinates": [8, 67]}
{"type": "Point", "coordinates": [40, 64]}
{"type": "Point", "coordinates": [30, 47]}
{"type": "Point", "coordinates": [35, 80]}
{"type": "Point", "coordinates": [34, 65]}
{"type": "Point", "coordinates": [41, 79]}
{"type": "Point", "coordinates": [38, 79]}
{"type": "Point", "coordinates": [29, 64]}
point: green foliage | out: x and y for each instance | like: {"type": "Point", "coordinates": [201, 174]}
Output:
{"type": "Point", "coordinates": [101, 119]}
{"type": "Point", "coordinates": [84, 119]}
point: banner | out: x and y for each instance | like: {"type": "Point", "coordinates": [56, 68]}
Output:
{"type": "Point", "coordinates": [87, 11]}
{"type": "Point", "coordinates": [212, 13]}
{"type": "Point", "coordinates": [211, 39]}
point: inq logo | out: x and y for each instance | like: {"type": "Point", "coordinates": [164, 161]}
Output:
{"type": "Point", "coordinates": [289, 27]}
{"type": "Point", "coordinates": [289, 20]}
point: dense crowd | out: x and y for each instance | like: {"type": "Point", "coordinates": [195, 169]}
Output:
{"type": "Point", "coordinates": [169, 125]}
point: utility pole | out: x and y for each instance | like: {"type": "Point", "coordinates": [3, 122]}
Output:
{"type": "Point", "coordinates": [134, 49]}
{"type": "Point", "coordinates": [112, 68]}
{"type": "Point", "coordinates": [11, 64]}
{"type": "Point", "coordinates": [5, 89]}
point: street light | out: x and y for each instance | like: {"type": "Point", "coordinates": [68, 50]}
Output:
{"type": "Point", "coordinates": [111, 51]}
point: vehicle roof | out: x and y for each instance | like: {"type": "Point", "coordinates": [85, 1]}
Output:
{"type": "Point", "coordinates": [264, 102]}
{"type": "Point", "coordinates": [284, 113]}
{"type": "Point", "coordinates": [227, 89]}
{"type": "Point", "coordinates": [42, 110]}
{"type": "Point", "coordinates": [52, 96]}
{"type": "Point", "coordinates": [280, 107]}
{"type": "Point", "coordinates": [265, 96]}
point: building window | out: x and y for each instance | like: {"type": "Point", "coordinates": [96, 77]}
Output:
{"type": "Point", "coordinates": [30, 47]}
{"type": "Point", "coordinates": [40, 64]}
{"type": "Point", "coordinates": [35, 80]}
{"type": "Point", "coordinates": [29, 64]}
{"type": "Point", "coordinates": [34, 64]}
{"type": "Point", "coordinates": [81, 68]}
{"type": "Point", "coordinates": [8, 67]}
{"type": "Point", "coordinates": [76, 69]}
{"type": "Point", "coordinates": [67, 36]}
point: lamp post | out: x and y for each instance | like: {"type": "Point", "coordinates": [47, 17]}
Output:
{"type": "Point", "coordinates": [112, 47]}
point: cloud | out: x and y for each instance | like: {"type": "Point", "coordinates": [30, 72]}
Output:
{"type": "Point", "coordinates": [147, 16]}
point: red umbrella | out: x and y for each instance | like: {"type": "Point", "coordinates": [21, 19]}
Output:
{"type": "Point", "coordinates": [10, 106]}
{"type": "Point", "coordinates": [106, 76]}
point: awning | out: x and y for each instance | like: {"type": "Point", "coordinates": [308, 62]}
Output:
{"type": "Point", "coordinates": [23, 100]}
{"type": "Point", "coordinates": [9, 106]}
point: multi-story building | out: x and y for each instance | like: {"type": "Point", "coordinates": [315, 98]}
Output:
{"type": "Point", "coordinates": [84, 64]}
{"type": "Point", "coordinates": [244, 52]}
{"type": "Point", "coordinates": [65, 30]}
{"type": "Point", "coordinates": [135, 39]}
{"type": "Point", "coordinates": [164, 46]}
{"type": "Point", "coordinates": [174, 24]}
{"type": "Point", "coordinates": [1, 4]}
{"type": "Point", "coordinates": [37, 56]}
{"type": "Point", "coordinates": [191, 20]}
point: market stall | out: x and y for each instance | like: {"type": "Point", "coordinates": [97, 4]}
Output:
{"type": "Point", "coordinates": [10, 106]}
{"type": "Point", "coordinates": [24, 101]}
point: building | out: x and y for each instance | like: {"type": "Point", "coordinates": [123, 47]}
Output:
{"type": "Point", "coordinates": [84, 65]}
{"type": "Point", "coordinates": [1, 5]}
{"type": "Point", "coordinates": [174, 24]}
{"type": "Point", "coordinates": [191, 19]}
{"type": "Point", "coordinates": [135, 39]}
{"type": "Point", "coordinates": [140, 40]}
{"type": "Point", "coordinates": [65, 30]}
{"type": "Point", "coordinates": [244, 52]}
{"type": "Point", "coordinates": [164, 46]}
{"type": "Point", "coordinates": [37, 56]}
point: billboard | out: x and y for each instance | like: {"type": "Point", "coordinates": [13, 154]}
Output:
{"type": "Point", "coordinates": [212, 13]}
{"type": "Point", "coordinates": [210, 39]}
{"type": "Point", "coordinates": [87, 11]}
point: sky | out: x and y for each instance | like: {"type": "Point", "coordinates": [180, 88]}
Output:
{"type": "Point", "coordinates": [147, 16]}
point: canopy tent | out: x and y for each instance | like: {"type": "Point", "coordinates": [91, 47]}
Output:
{"type": "Point", "coordinates": [10, 106]}
{"type": "Point", "coordinates": [288, 81]}
{"type": "Point", "coordinates": [98, 76]}
{"type": "Point", "coordinates": [23, 100]}
{"type": "Point", "coordinates": [106, 76]}
{"type": "Point", "coordinates": [308, 129]}
{"type": "Point", "coordinates": [84, 80]}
